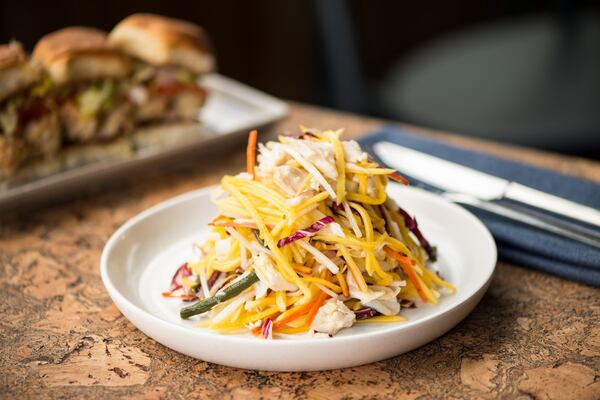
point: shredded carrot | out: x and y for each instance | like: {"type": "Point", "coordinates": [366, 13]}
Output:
{"type": "Point", "coordinates": [302, 268]}
{"type": "Point", "coordinates": [315, 308]}
{"type": "Point", "coordinates": [293, 314]}
{"type": "Point", "coordinates": [398, 178]}
{"type": "Point", "coordinates": [251, 153]}
{"type": "Point", "coordinates": [179, 296]}
{"type": "Point", "coordinates": [406, 264]}
{"type": "Point", "coordinates": [223, 221]}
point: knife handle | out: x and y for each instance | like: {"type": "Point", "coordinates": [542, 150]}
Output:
{"type": "Point", "coordinates": [525, 217]}
{"type": "Point", "coordinates": [550, 202]}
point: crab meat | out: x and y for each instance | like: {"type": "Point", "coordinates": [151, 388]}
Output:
{"type": "Point", "coordinates": [270, 156]}
{"type": "Point", "coordinates": [288, 178]}
{"type": "Point", "coordinates": [268, 274]}
{"type": "Point", "coordinates": [320, 154]}
{"type": "Point", "coordinates": [353, 153]}
{"type": "Point", "coordinates": [223, 248]}
{"type": "Point", "coordinates": [332, 317]}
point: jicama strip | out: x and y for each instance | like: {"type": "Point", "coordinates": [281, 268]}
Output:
{"type": "Point", "coordinates": [280, 300]}
{"type": "Point", "coordinates": [354, 270]}
{"type": "Point", "coordinates": [327, 291]}
{"type": "Point", "coordinates": [312, 170]}
{"type": "Point", "coordinates": [351, 219]}
{"type": "Point", "coordinates": [320, 257]}
{"type": "Point", "coordinates": [356, 169]}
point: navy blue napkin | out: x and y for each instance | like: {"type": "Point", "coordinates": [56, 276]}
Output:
{"type": "Point", "coordinates": [517, 243]}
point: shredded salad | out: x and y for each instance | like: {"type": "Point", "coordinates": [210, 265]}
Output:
{"type": "Point", "coordinates": [307, 241]}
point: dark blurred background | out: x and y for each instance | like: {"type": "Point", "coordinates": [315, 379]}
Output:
{"type": "Point", "coordinates": [524, 72]}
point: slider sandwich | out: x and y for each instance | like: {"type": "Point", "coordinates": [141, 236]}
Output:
{"type": "Point", "coordinates": [29, 124]}
{"type": "Point", "coordinates": [90, 88]}
{"type": "Point", "coordinates": [169, 58]}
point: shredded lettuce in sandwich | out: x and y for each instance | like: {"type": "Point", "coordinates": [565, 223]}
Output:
{"type": "Point", "coordinates": [42, 89]}
{"type": "Point", "coordinates": [187, 77]}
{"type": "Point", "coordinates": [97, 97]}
{"type": "Point", "coordinates": [9, 118]}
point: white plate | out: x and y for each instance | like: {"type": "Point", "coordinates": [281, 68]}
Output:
{"type": "Point", "coordinates": [232, 109]}
{"type": "Point", "coordinates": [139, 260]}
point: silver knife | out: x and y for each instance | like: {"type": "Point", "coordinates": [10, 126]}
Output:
{"type": "Point", "coordinates": [456, 178]}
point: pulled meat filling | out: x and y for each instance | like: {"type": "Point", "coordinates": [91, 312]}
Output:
{"type": "Point", "coordinates": [29, 127]}
{"type": "Point", "coordinates": [166, 93]}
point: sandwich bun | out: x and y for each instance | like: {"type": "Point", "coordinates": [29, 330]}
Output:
{"type": "Point", "coordinates": [78, 54]}
{"type": "Point", "coordinates": [163, 41]}
{"type": "Point", "coordinates": [16, 73]}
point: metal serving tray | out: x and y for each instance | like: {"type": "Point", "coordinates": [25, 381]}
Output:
{"type": "Point", "coordinates": [232, 110]}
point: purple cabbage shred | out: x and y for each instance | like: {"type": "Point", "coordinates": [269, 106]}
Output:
{"type": "Point", "coordinates": [365, 313]}
{"type": "Point", "coordinates": [302, 233]}
{"type": "Point", "coordinates": [411, 224]}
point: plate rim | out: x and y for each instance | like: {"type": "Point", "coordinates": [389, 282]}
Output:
{"type": "Point", "coordinates": [201, 332]}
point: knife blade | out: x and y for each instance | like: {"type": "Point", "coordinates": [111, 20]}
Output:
{"type": "Point", "coordinates": [453, 177]}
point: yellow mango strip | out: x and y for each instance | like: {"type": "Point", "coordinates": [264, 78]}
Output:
{"type": "Point", "coordinates": [376, 220]}
{"type": "Point", "coordinates": [355, 169]}
{"type": "Point", "coordinates": [296, 323]}
{"type": "Point", "coordinates": [260, 303]}
{"type": "Point", "coordinates": [313, 200]}
{"type": "Point", "coordinates": [439, 280]}
{"type": "Point", "coordinates": [263, 314]}
{"type": "Point", "coordinates": [301, 268]}
{"type": "Point", "coordinates": [398, 245]}
{"type": "Point", "coordinates": [356, 274]}
{"type": "Point", "coordinates": [341, 169]}
{"type": "Point", "coordinates": [382, 319]}
{"type": "Point", "coordinates": [372, 266]}
{"type": "Point", "coordinates": [282, 263]}
{"type": "Point", "coordinates": [323, 282]}
{"type": "Point", "coordinates": [236, 315]}
{"type": "Point", "coordinates": [270, 300]}
{"type": "Point", "coordinates": [258, 190]}
{"type": "Point", "coordinates": [296, 256]}
{"type": "Point", "coordinates": [362, 184]}
{"type": "Point", "coordinates": [361, 198]}
{"type": "Point", "coordinates": [409, 292]}
{"type": "Point", "coordinates": [304, 184]}
{"type": "Point", "coordinates": [368, 234]}
{"type": "Point", "coordinates": [290, 331]}
{"type": "Point", "coordinates": [343, 284]}
{"type": "Point", "coordinates": [350, 241]}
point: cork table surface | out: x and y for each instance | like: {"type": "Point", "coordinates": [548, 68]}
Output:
{"type": "Point", "coordinates": [532, 336]}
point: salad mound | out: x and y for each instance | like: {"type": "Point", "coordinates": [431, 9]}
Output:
{"type": "Point", "coordinates": [307, 241]}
